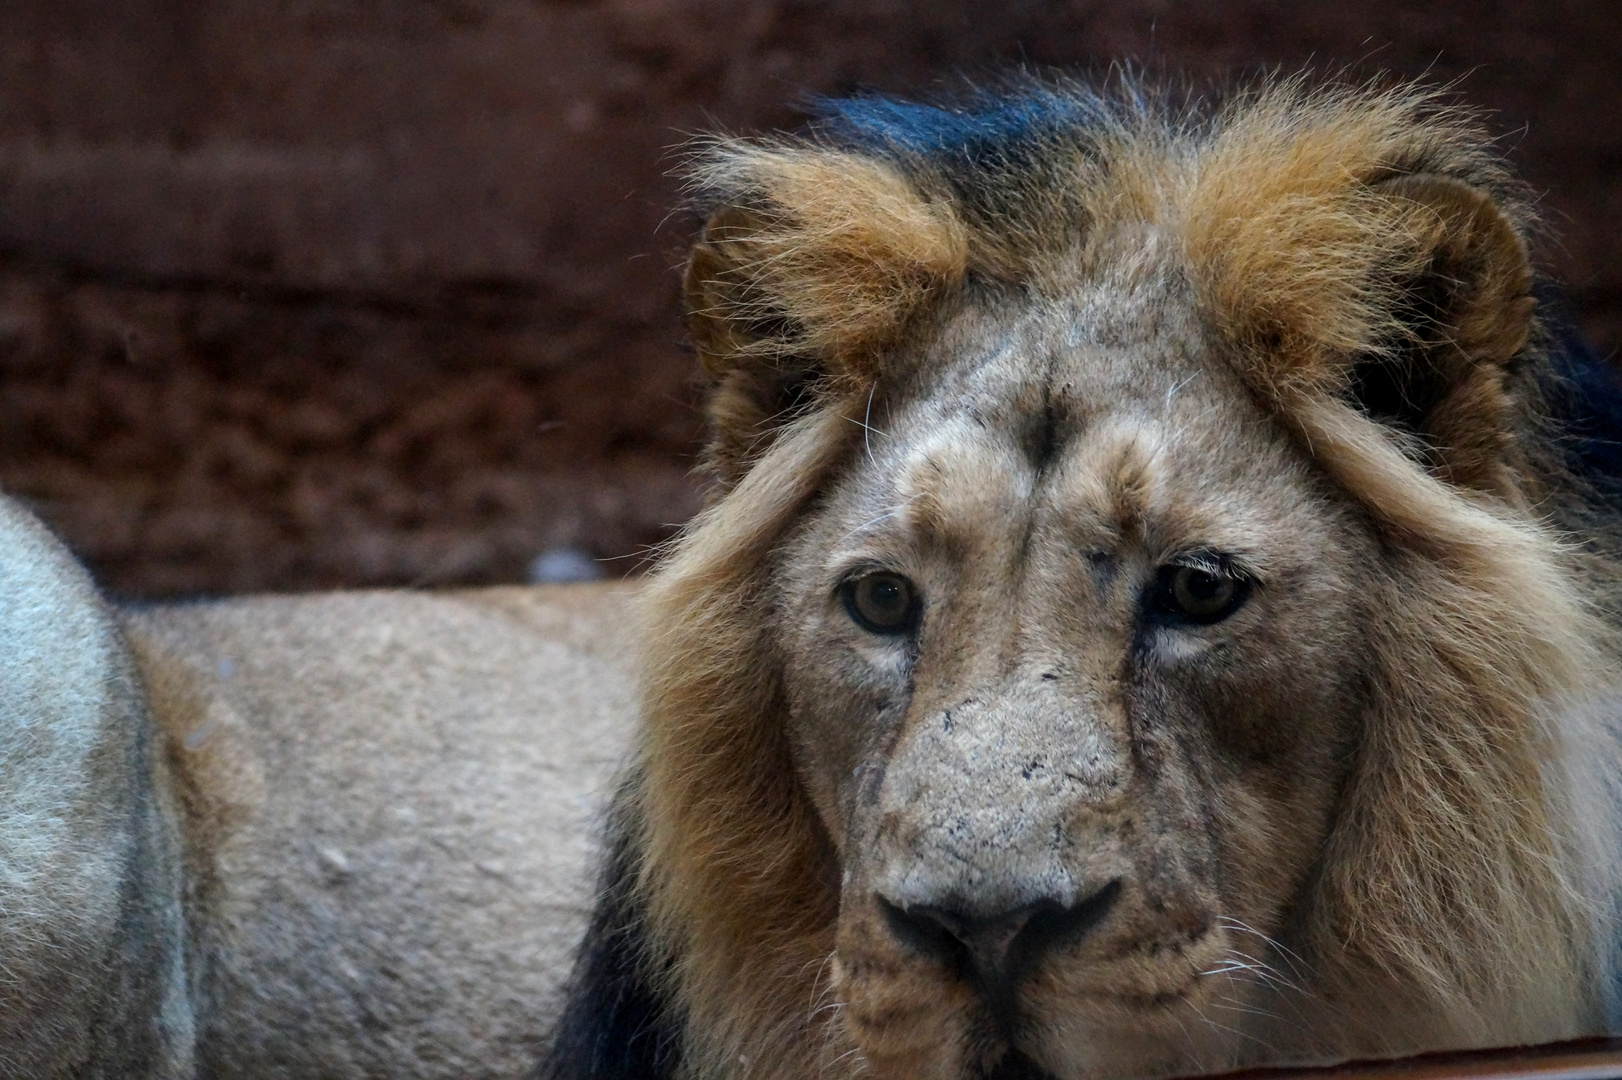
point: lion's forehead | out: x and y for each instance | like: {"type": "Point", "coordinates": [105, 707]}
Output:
{"type": "Point", "coordinates": [1057, 419]}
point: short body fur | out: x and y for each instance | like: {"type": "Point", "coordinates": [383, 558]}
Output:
{"type": "Point", "coordinates": [1031, 354]}
{"type": "Point", "coordinates": [337, 836]}
{"type": "Point", "coordinates": [92, 939]}
{"type": "Point", "coordinates": [389, 804]}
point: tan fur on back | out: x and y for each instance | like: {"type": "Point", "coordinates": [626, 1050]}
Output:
{"type": "Point", "coordinates": [391, 805]}
{"type": "Point", "coordinates": [1190, 302]}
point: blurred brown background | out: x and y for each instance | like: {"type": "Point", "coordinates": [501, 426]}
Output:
{"type": "Point", "coordinates": [308, 293]}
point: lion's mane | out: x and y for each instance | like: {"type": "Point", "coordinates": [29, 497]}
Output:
{"type": "Point", "coordinates": [1473, 855]}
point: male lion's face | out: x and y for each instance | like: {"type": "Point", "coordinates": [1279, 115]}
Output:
{"type": "Point", "coordinates": [1074, 658]}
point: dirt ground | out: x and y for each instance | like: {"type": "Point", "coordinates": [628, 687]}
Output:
{"type": "Point", "coordinates": [367, 292]}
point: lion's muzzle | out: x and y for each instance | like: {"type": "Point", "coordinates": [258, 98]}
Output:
{"type": "Point", "coordinates": [1026, 859]}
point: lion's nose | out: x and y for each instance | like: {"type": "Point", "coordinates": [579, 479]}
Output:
{"type": "Point", "coordinates": [995, 952]}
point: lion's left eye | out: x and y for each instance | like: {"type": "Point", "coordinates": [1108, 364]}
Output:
{"type": "Point", "coordinates": [881, 603]}
{"type": "Point", "coordinates": [1196, 594]}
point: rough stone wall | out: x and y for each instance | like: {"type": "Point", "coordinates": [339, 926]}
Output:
{"type": "Point", "coordinates": [305, 294]}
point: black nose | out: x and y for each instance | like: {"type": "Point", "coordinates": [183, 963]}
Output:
{"type": "Point", "coordinates": [996, 952]}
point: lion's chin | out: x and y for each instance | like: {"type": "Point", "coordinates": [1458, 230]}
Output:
{"type": "Point", "coordinates": [1123, 1039]}
{"type": "Point", "coordinates": [1016, 1066]}
{"type": "Point", "coordinates": [1103, 1039]}
{"type": "Point", "coordinates": [1089, 1017]}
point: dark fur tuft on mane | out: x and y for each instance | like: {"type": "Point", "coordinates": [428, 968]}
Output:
{"type": "Point", "coordinates": [615, 1023]}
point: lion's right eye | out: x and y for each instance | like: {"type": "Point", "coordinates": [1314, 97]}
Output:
{"type": "Point", "coordinates": [1198, 595]}
{"type": "Point", "coordinates": [881, 603]}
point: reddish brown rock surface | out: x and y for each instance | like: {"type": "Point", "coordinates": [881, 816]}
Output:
{"type": "Point", "coordinates": [305, 294]}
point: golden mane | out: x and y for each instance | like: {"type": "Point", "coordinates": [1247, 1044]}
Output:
{"type": "Point", "coordinates": [1300, 214]}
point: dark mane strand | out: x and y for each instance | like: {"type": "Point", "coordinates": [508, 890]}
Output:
{"type": "Point", "coordinates": [994, 152]}
{"type": "Point", "coordinates": [1586, 404]}
{"type": "Point", "coordinates": [615, 1024]}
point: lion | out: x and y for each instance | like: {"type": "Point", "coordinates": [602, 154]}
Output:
{"type": "Point", "coordinates": [335, 836]}
{"type": "Point", "coordinates": [1150, 617]}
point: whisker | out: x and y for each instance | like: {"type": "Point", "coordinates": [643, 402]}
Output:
{"type": "Point", "coordinates": [1238, 1032]}
{"type": "Point", "coordinates": [1299, 968]}
{"type": "Point", "coordinates": [1264, 972]}
{"type": "Point", "coordinates": [1173, 391]}
{"type": "Point", "coordinates": [867, 427]}
{"type": "Point", "coordinates": [820, 987]}
{"type": "Point", "coordinates": [865, 424]}
{"type": "Point", "coordinates": [892, 512]}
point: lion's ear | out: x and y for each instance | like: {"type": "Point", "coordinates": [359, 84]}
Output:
{"type": "Point", "coordinates": [760, 375]}
{"type": "Point", "coordinates": [806, 272]}
{"type": "Point", "coordinates": [1464, 313]}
